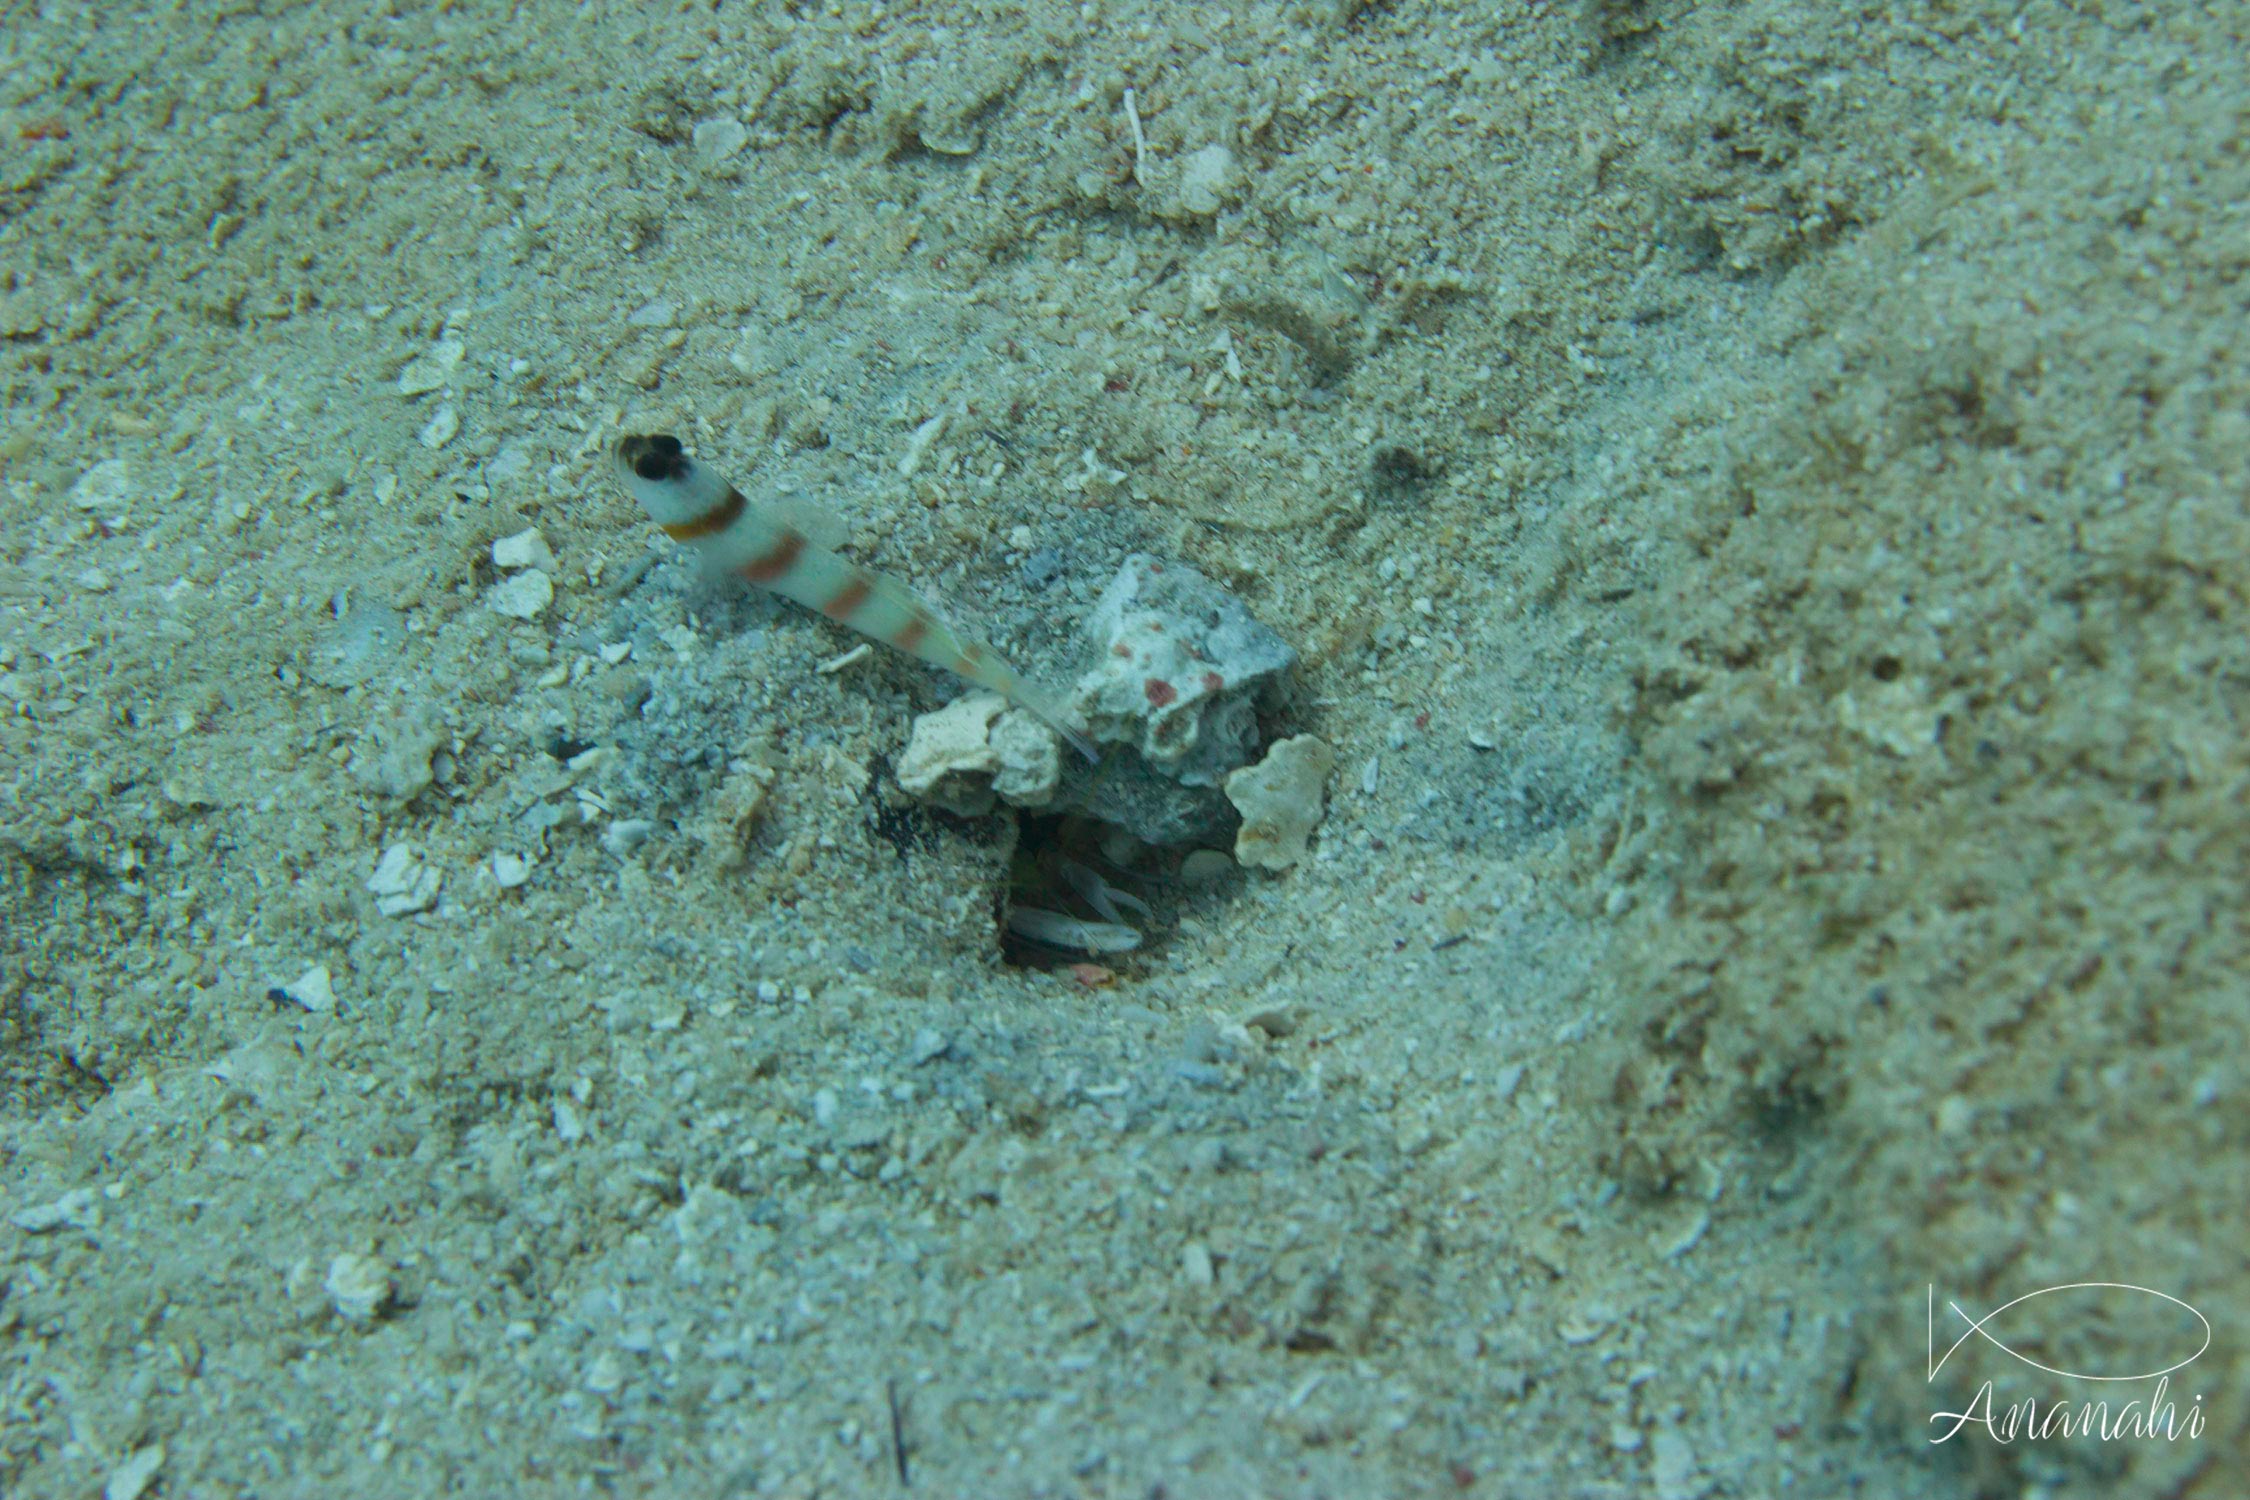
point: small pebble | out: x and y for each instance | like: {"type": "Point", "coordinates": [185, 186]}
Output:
{"type": "Point", "coordinates": [402, 883]}
{"type": "Point", "coordinates": [1042, 567]}
{"type": "Point", "coordinates": [107, 486]}
{"type": "Point", "coordinates": [525, 596]}
{"type": "Point", "coordinates": [1195, 1264]}
{"type": "Point", "coordinates": [526, 549]}
{"type": "Point", "coordinates": [1207, 181]}
{"type": "Point", "coordinates": [606, 1374]}
{"type": "Point", "coordinates": [624, 837]}
{"type": "Point", "coordinates": [1205, 867]}
{"type": "Point", "coordinates": [358, 1286]}
{"type": "Point", "coordinates": [129, 1480]}
{"type": "Point", "coordinates": [443, 425]}
{"type": "Point", "coordinates": [1672, 1466]}
{"type": "Point", "coordinates": [1274, 1020]}
{"type": "Point", "coordinates": [75, 1209]}
{"type": "Point", "coordinates": [716, 140]}
{"type": "Point", "coordinates": [431, 371]}
{"type": "Point", "coordinates": [312, 990]}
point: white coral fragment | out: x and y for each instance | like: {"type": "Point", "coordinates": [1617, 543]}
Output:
{"type": "Point", "coordinates": [1280, 801]}
{"type": "Point", "coordinates": [1182, 664]}
{"type": "Point", "coordinates": [960, 755]}
{"type": "Point", "coordinates": [402, 884]}
{"type": "Point", "coordinates": [358, 1286]}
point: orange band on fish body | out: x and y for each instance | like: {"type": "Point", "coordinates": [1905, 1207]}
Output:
{"type": "Point", "coordinates": [698, 509]}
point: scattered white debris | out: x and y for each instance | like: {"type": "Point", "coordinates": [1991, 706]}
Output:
{"type": "Point", "coordinates": [443, 425]}
{"type": "Point", "coordinates": [851, 658]}
{"type": "Point", "coordinates": [1208, 179]}
{"type": "Point", "coordinates": [313, 990]}
{"type": "Point", "coordinates": [1586, 1323]}
{"type": "Point", "coordinates": [1280, 801]}
{"type": "Point", "coordinates": [526, 549]}
{"type": "Point", "coordinates": [1195, 1264]}
{"type": "Point", "coordinates": [510, 871]}
{"type": "Point", "coordinates": [1899, 716]}
{"type": "Point", "coordinates": [76, 1209]}
{"type": "Point", "coordinates": [1275, 1020]}
{"type": "Point", "coordinates": [402, 883]}
{"type": "Point", "coordinates": [432, 371]}
{"type": "Point", "coordinates": [130, 1478]}
{"type": "Point", "coordinates": [605, 1375]}
{"type": "Point", "coordinates": [1095, 480]}
{"type": "Point", "coordinates": [624, 837]}
{"type": "Point", "coordinates": [919, 444]}
{"type": "Point", "coordinates": [730, 815]}
{"type": "Point", "coordinates": [107, 486]}
{"type": "Point", "coordinates": [1140, 137]}
{"type": "Point", "coordinates": [525, 596]}
{"type": "Point", "coordinates": [358, 1286]}
{"type": "Point", "coordinates": [1671, 1464]}
{"type": "Point", "coordinates": [513, 460]}
{"type": "Point", "coordinates": [1686, 1237]}
{"type": "Point", "coordinates": [717, 140]}
{"type": "Point", "coordinates": [395, 755]}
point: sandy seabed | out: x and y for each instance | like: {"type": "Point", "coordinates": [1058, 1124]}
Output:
{"type": "Point", "coordinates": [1761, 494]}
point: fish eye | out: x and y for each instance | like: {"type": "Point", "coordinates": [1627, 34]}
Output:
{"type": "Point", "coordinates": [656, 458]}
